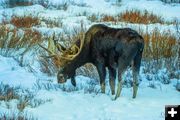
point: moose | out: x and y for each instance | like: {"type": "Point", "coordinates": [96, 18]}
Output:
{"type": "Point", "coordinates": [103, 46]}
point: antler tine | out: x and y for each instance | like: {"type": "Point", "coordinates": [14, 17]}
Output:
{"type": "Point", "coordinates": [50, 52]}
{"type": "Point", "coordinates": [74, 48]}
{"type": "Point", "coordinates": [71, 57]}
{"type": "Point", "coordinates": [51, 47]}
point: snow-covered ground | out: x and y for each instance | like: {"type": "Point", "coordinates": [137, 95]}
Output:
{"type": "Point", "coordinates": [85, 101]}
{"type": "Point", "coordinates": [79, 105]}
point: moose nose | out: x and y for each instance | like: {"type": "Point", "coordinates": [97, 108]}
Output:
{"type": "Point", "coordinates": [60, 78]}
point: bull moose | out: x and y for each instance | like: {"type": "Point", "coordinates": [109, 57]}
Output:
{"type": "Point", "coordinates": [103, 46]}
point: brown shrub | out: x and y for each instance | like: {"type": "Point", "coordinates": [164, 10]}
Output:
{"type": "Point", "coordinates": [108, 18]}
{"type": "Point", "coordinates": [25, 22]}
{"type": "Point", "coordinates": [13, 39]}
{"type": "Point", "coordinates": [136, 16]}
{"type": "Point", "coordinates": [159, 44]}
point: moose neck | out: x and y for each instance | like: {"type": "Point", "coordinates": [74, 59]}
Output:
{"type": "Point", "coordinates": [79, 60]}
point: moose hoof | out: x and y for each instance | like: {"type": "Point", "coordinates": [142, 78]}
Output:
{"type": "Point", "coordinates": [112, 97]}
{"type": "Point", "coordinates": [134, 96]}
{"type": "Point", "coordinates": [73, 82]}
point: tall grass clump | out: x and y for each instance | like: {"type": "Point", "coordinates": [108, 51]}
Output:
{"type": "Point", "coordinates": [136, 16]}
{"type": "Point", "coordinates": [160, 54]}
{"type": "Point", "coordinates": [159, 44]}
{"type": "Point", "coordinates": [15, 38]}
{"type": "Point", "coordinates": [17, 43]}
{"type": "Point", "coordinates": [25, 21]}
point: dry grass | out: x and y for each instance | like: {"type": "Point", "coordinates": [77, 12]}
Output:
{"type": "Point", "coordinates": [25, 21]}
{"type": "Point", "coordinates": [16, 43]}
{"type": "Point", "coordinates": [16, 116]}
{"type": "Point", "coordinates": [159, 44]}
{"type": "Point", "coordinates": [13, 38]}
{"type": "Point", "coordinates": [108, 18]}
{"type": "Point", "coordinates": [160, 52]}
{"type": "Point", "coordinates": [131, 16]}
{"type": "Point", "coordinates": [136, 16]}
{"type": "Point", "coordinates": [24, 97]}
{"type": "Point", "coordinates": [47, 65]}
{"type": "Point", "coordinates": [8, 93]}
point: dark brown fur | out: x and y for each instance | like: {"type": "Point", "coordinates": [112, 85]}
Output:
{"type": "Point", "coordinates": [113, 48]}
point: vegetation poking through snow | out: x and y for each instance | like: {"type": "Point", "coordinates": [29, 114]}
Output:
{"type": "Point", "coordinates": [16, 116]}
{"type": "Point", "coordinates": [24, 98]}
{"type": "Point", "coordinates": [8, 93]}
{"type": "Point", "coordinates": [159, 44]}
{"type": "Point", "coordinates": [25, 21]}
{"type": "Point", "coordinates": [134, 16]}
{"type": "Point", "coordinates": [137, 16]}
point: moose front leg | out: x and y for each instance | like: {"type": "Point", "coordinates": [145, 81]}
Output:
{"type": "Point", "coordinates": [102, 74]}
{"type": "Point", "coordinates": [73, 81]}
{"type": "Point", "coordinates": [112, 76]}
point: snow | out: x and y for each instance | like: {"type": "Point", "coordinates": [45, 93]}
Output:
{"type": "Point", "coordinates": [148, 105]}
{"type": "Point", "coordinates": [81, 102]}
{"type": "Point", "coordinates": [79, 105]}
{"type": "Point", "coordinates": [11, 73]}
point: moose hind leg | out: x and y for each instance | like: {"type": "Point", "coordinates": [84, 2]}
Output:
{"type": "Point", "coordinates": [122, 65]}
{"type": "Point", "coordinates": [135, 83]}
{"type": "Point", "coordinates": [136, 69]}
{"type": "Point", "coordinates": [120, 83]}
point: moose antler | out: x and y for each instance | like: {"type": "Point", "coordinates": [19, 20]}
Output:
{"type": "Point", "coordinates": [66, 54]}
{"type": "Point", "coordinates": [75, 50]}
{"type": "Point", "coordinates": [51, 47]}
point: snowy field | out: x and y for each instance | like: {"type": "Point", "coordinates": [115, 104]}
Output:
{"type": "Point", "coordinates": [52, 101]}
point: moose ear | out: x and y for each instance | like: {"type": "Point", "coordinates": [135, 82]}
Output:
{"type": "Point", "coordinates": [78, 42]}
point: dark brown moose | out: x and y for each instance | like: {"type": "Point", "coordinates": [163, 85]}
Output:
{"type": "Point", "coordinates": [103, 46]}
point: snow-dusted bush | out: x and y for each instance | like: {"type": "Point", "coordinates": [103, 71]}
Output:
{"type": "Point", "coordinates": [171, 1]}
{"type": "Point", "coordinates": [14, 3]}
{"type": "Point", "coordinates": [18, 43]}
{"type": "Point", "coordinates": [14, 115]}
{"type": "Point", "coordinates": [8, 93]}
